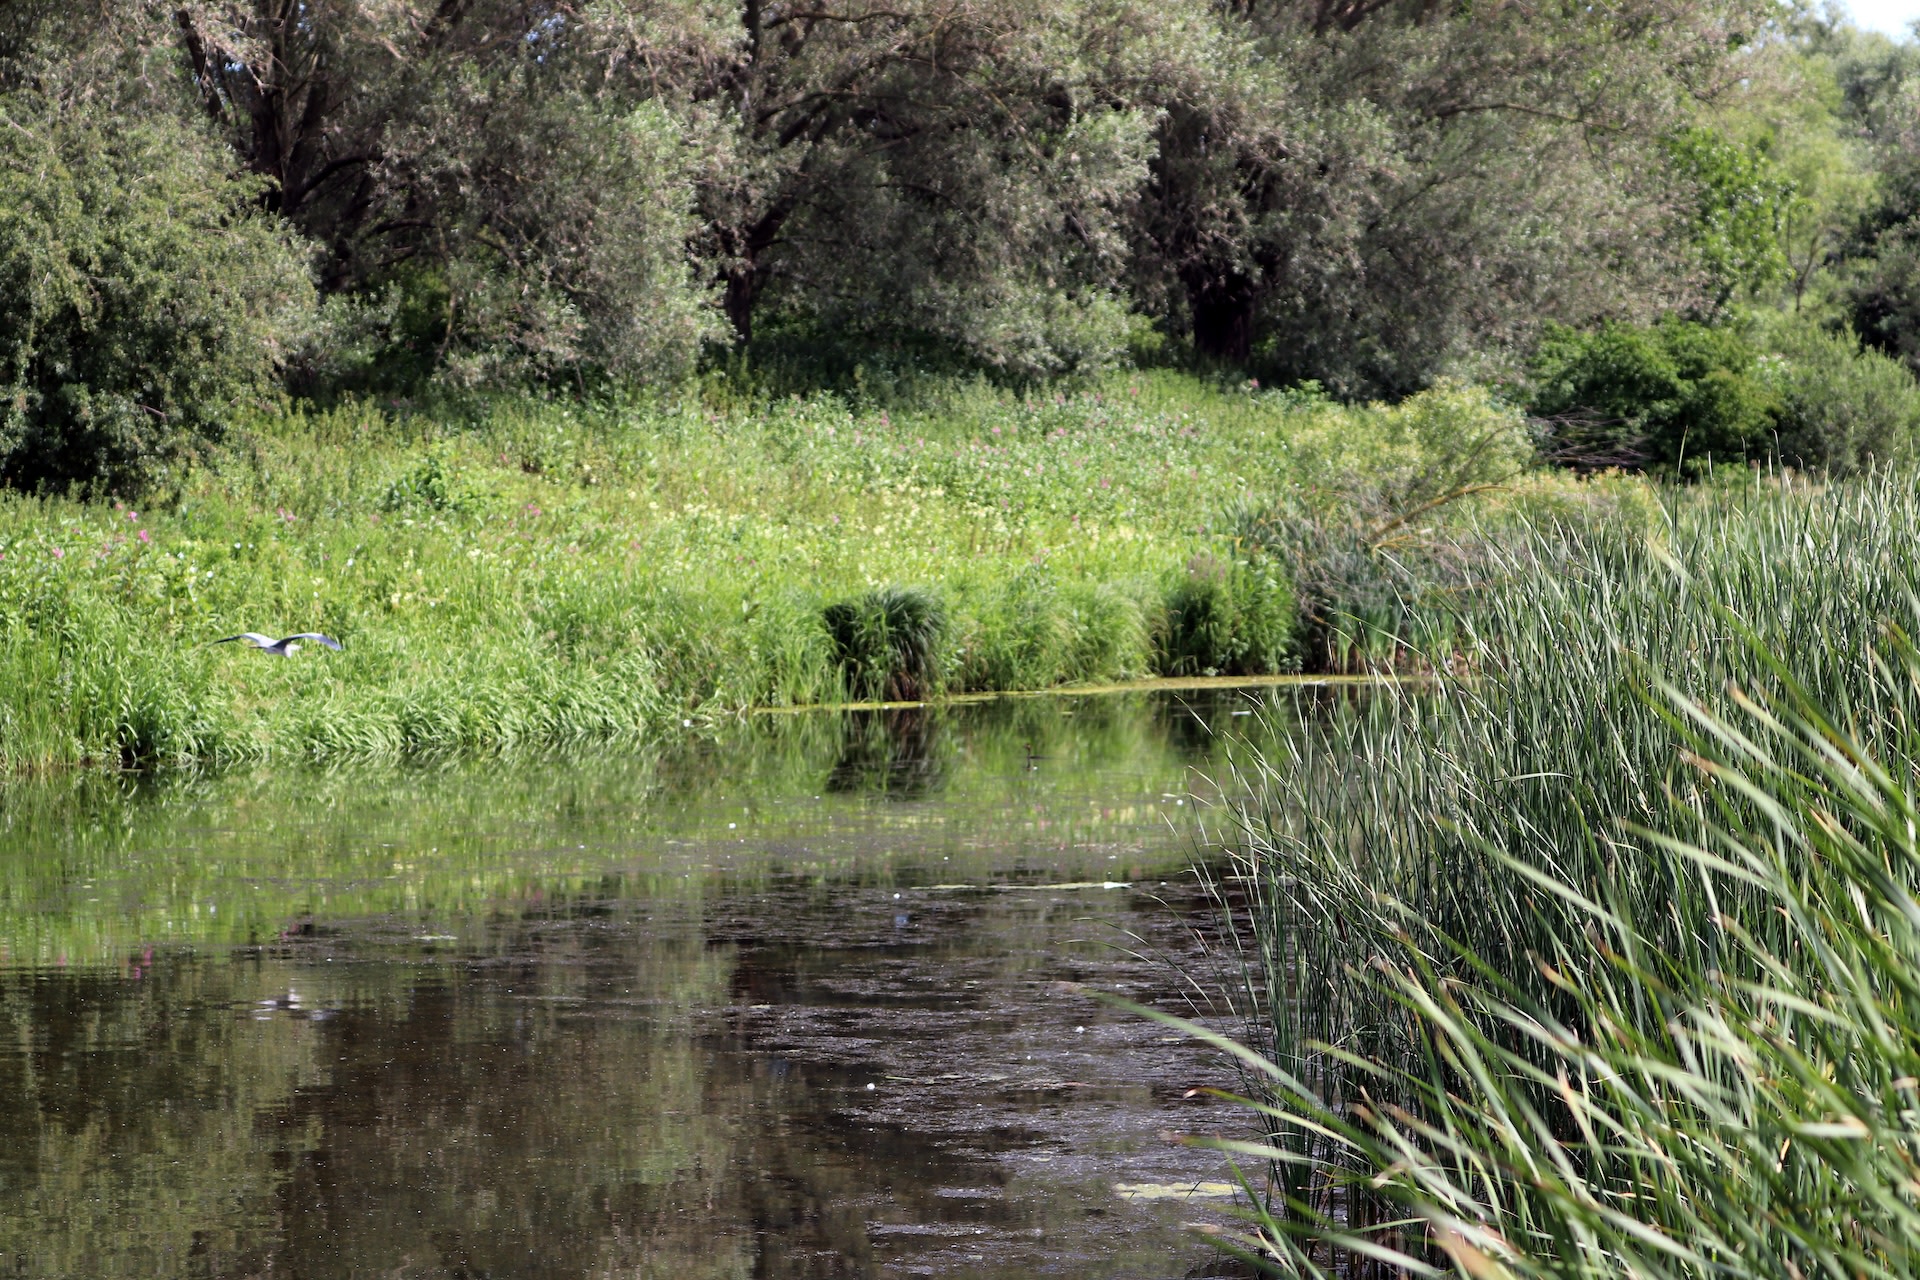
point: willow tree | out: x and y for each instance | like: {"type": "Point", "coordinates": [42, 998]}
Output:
{"type": "Point", "coordinates": [498, 186]}
{"type": "Point", "coordinates": [955, 166]}
{"type": "Point", "coordinates": [145, 294]}
{"type": "Point", "coordinates": [503, 185]}
{"type": "Point", "coordinates": [1367, 190]}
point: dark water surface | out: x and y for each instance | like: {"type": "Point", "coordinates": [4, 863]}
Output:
{"type": "Point", "coordinates": [795, 1005]}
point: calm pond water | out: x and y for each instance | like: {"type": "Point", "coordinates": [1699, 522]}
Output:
{"type": "Point", "coordinates": [792, 1005]}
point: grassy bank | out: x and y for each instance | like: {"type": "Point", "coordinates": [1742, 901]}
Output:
{"type": "Point", "coordinates": [1603, 962]}
{"type": "Point", "coordinates": [553, 573]}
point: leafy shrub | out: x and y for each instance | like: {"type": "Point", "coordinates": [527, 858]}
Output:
{"type": "Point", "coordinates": [1365, 545]}
{"type": "Point", "coordinates": [1226, 619]}
{"type": "Point", "coordinates": [886, 643]}
{"type": "Point", "coordinates": [144, 296]}
{"type": "Point", "coordinates": [1842, 408]}
{"type": "Point", "coordinates": [1445, 442]}
{"type": "Point", "coordinates": [437, 483]}
{"type": "Point", "coordinates": [1669, 394]}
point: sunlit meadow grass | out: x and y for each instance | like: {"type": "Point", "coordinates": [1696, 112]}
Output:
{"type": "Point", "coordinates": [556, 572]}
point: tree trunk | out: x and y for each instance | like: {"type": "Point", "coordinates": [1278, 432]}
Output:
{"type": "Point", "coordinates": [748, 273]}
{"type": "Point", "coordinates": [1223, 318]}
{"type": "Point", "coordinates": [742, 285]}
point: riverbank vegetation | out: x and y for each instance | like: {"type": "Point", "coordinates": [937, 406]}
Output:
{"type": "Point", "coordinates": [552, 573]}
{"type": "Point", "coordinates": [1601, 960]}
{"type": "Point", "coordinates": [595, 373]}
{"type": "Point", "coordinates": [598, 372]}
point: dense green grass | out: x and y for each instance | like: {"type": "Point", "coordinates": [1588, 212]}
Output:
{"type": "Point", "coordinates": [547, 572]}
{"type": "Point", "coordinates": [1603, 960]}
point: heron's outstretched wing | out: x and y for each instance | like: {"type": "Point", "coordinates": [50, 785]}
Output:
{"type": "Point", "coordinates": [253, 638]}
{"type": "Point", "coordinates": [316, 637]}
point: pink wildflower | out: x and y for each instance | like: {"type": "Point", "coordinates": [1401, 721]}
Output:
{"type": "Point", "coordinates": [58, 554]}
{"type": "Point", "coordinates": [145, 536]}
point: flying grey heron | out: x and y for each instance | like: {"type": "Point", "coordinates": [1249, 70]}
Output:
{"type": "Point", "coordinates": [283, 647]}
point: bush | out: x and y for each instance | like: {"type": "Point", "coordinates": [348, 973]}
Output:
{"type": "Point", "coordinates": [1226, 619]}
{"type": "Point", "coordinates": [1680, 394]}
{"type": "Point", "coordinates": [1417, 455]}
{"type": "Point", "coordinates": [1364, 544]}
{"type": "Point", "coordinates": [1676, 394]}
{"type": "Point", "coordinates": [144, 296]}
{"type": "Point", "coordinates": [1841, 408]}
{"type": "Point", "coordinates": [886, 643]}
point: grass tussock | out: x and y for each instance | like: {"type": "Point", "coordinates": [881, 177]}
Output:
{"type": "Point", "coordinates": [1604, 960]}
{"type": "Point", "coordinates": [886, 643]}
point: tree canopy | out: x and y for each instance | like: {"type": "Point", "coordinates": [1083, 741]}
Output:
{"type": "Point", "coordinates": [1363, 193]}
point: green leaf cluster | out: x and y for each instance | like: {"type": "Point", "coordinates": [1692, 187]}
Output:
{"type": "Point", "coordinates": [144, 293]}
{"type": "Point", "coordinates": [1741, 209]}
{"type": "Point", "coordinates": [1683, 395]}
{"type": "Point", "coordinates": [1674, 393]}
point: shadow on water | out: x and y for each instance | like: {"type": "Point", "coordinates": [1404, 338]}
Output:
{"type": "Point", "coordinates": [892, 752]}
{"type": "Point", "coordinates": [809, 1002]}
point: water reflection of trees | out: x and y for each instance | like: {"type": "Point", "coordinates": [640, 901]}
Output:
{"type": "Point", "coordinates": [94, 866]}
{"type": "Point", "coordinates": [261, 1114]}
{"type": "Point", "coordinates": [895, 752]}
{"type": "Point", "coordinates": [559, 1103]}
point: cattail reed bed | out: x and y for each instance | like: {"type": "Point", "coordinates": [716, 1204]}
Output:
{"type": "Point", "coordinates": [1606, 959]}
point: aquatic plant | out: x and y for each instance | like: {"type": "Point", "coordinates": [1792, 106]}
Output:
{"type": "Point", "coordinates": [1602, 960]}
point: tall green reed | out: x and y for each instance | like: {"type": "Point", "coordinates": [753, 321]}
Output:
{"type": "Point", "coordinates": [1603, 959]}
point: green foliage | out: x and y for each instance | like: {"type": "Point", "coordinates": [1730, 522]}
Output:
{"type": "Point", "coordinates": [489, 204]}
{"type": "Point", "coordinates": [1674, 394]}
{"type": "Point", "coordinates": [1615, 936]}
{"type": "Point", "coordinates": [436, 483]}
{"type": "Point", "coordinates": [1366, 537]}
{"type": "Point", "coordinates": [553, 572]}
{"type": "Point", "coordinates": [1036, 627]}
{"type": "Point", "coordinates": [1401, 459]}
{"type": "Point", "coordinates": [958, 172]}
{"type": "Point", "coordinates": [1227, 619]}
{"type": "Point", "coordinates": [1878, 263]}
{"type": "Point", "coordinates": [1363, 196]}
{"type": "Point", "coordinates": [1884, 292]}
{"type": "Point", "coordinates": [145, 297]}
{"type": "Point", "coordinates": [1681, 393]}
{"type": "Point", "coordinates": [1841, 408]}
{"type": "Point", "coordinates": [887, 643]}
{"type": "Point", "coordinates": [1740, 210]}
{"type": "Point", "coordinates": [1368, 196]}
